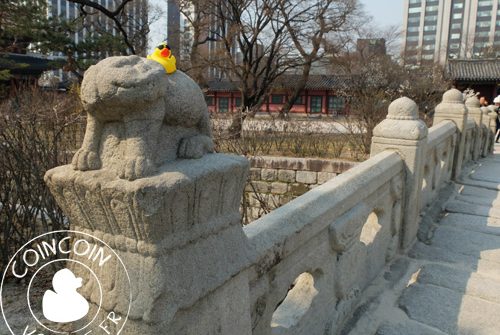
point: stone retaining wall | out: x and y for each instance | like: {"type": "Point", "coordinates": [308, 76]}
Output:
{"type": "Point", "coordinates": [275, 181]}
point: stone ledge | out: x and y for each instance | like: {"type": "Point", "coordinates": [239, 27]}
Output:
{"type": "Point", "coordinates": [303, 164]}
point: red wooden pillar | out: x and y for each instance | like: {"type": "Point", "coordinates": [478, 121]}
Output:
{"type": "Point", "coordinates": [231, 102]}
{"type": "Point", "coordinates": [216, 102]}
{"type": "Point", "coordinates": [306, 100]}
{"type": "Point", "coordinates": [325, 108]}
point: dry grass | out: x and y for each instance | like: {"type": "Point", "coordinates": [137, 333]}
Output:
{"type": "Point", "coordinates": [293, 145]}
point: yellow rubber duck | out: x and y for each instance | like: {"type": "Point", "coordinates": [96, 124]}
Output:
{"type": "Point", "coordinates": [163, 55]}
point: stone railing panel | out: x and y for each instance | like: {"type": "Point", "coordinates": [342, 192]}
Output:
{"type": "Point", "coordinates": [470, 139]}
{"type": "Point", "coordinates": [439, 160]}
{"type": "Point", "coordinates": [340, 234]}
{"type": "Point", "coordinates": [475, 113]}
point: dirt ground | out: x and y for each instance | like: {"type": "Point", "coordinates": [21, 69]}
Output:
{"type": "Point", "coordinates": [14, 305]}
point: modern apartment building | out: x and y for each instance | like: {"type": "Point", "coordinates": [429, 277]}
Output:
{"type": "Point", "coordinates": [172, 25]}
{"type": "Point", "coordinates": [135, 21]}
{"type": "Point", "coordinates": [135, 18]}
{"type": "Point", "coordinates": [437, 30]}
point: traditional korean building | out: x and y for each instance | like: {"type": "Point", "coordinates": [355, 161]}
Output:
{"type": "Point", "coordinates": [482, 75]}
{"type": "Point", "coordinates": [321, 96]}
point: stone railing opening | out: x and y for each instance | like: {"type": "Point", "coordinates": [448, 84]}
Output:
{"type": "Point", "coordinates": [370, 229]}
{"type": "Point", "coordinates": [296, 304]}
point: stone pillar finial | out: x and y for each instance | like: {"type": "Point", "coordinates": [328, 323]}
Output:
{"type": "Point", "coordinates": [474, 111]}
{"type": "Point", "coordinates": [405, 133]}
{"type": "Point", "coordinates": [453, 108]}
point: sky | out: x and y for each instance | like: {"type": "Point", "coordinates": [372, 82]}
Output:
{"type": "Point", "coordinates": [385, 12]}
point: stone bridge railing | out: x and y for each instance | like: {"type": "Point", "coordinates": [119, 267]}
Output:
{"type": "Point", "coordinates": [303, 268]}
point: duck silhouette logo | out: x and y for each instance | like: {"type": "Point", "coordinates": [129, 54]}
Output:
{"type": "Point", "coordinates": [65, 304]}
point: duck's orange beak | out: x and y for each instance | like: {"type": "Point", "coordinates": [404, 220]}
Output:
{"type": "Point", "coordinates": [165, 52]}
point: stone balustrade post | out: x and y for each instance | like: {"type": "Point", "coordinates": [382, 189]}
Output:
{"type": "Point", "coordinates": [404, 132]}
{"type": "Point", "coordinates": [493, 118]}
{"type": "Point", "coordinates": [177, 226]}
{"type": "Point", "coordinates": [474, 112]}
{"type": "Point", "coordinates": [488, 137]}
{"type": "Point", "coordinates": [493, 126]}
{"type": "Point", "coordinates": [453, 108]}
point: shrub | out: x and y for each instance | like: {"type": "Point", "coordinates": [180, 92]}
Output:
{"type": "Point", "coordinates": [38, 131]}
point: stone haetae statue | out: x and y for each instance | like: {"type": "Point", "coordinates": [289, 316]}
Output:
{"type": "Point", "coordinates": [176, 227]}
{"type": "Point", "coordinates": [138, 118]}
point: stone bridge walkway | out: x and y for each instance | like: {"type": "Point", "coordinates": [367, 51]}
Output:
{"type": "Point", "coordinates": [451, 283]}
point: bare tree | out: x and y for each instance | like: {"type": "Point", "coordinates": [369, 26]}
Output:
{"type": "Point", "coordinates": [377, 80]}
{"type": "Point", "coordinates": [199, 14]}
{"type": "Point", "coordinates": [308, 24]}
{"type": "Point", "coordinates": [133, 29]}
{"type": "Point", "coordinates": [255, 50]}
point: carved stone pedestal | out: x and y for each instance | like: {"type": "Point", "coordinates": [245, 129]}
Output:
{"type": "Point", "coordinates": [178, 234]}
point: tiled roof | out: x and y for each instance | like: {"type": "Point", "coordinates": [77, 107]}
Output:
{"type": "Point", "coordinates": [315, 82]}
{"type": "Point", "coordinates": [25, 64]}
{"type": "Point", "coordinates": [223, 85]}
{"type": "Point", "coordinates": [474, 69]}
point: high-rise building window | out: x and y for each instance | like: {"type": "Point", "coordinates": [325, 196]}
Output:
{"type": "Point", "coordinates": [429, 38]}
{"type": "Point", "coordinates": [484, 13]}
{"type": "Point", "coordinates": [483, 24]}
{"type": "Point", "coordinates": [455, 36]}
{"type": "Point", "coordinates": [431, 18]}
{"type": "Point", "coordinates": [429, 28]}
{"type": "Point", "coordinates": [412, 38]}
{"type": "Point", "coordinates": [457, 16]}
{"type": "Point", "coordinates": [458, 5]}
{"type": "Point", "coordinates": [63, 9]}
{"type": "Point", "coordinates": [413, 29]}
{"type": "Point", "coordinates": [53, 9]}
{"type": "Point", "coordinates": [431, 8]}
{"type": "Point", "coordinates": [415, 19]}
{"type": "Point", "coordinates": [456, 26]}
{"type": "Point", "coordinates": [414, 10]}
{"type": "Point", "coordinates": [72, 7]}
{"type": "Point", "coordinates": [412, 2]}
{"type": "Point", "coordinates": [482, 3]}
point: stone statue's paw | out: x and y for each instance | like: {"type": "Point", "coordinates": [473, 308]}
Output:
{"type": "Point", "coordinates": [137, 167]}
{"type": "Point", "coordinates": [84, 160]}
{"type": "Point", "coordinates": [195, 146]}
